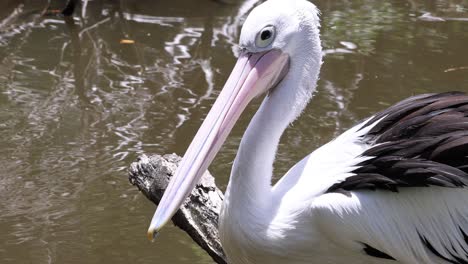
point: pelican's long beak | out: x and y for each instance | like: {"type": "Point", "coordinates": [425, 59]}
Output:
{"type": "Point", "coordinates": [253, 74]}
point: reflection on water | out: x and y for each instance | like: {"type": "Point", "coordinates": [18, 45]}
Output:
{"type": "Point", "coordinates": [80, 98]}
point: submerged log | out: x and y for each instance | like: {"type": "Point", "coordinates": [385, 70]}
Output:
{"type": "Point", "coordinates": [198, 216]}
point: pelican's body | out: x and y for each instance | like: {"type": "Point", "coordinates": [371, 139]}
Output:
{"type": "Point", "coordinates": [392, 189]}
{"type": "Point", "coordinates": [301, 221]}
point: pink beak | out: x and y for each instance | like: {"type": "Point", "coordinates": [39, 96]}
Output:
{"type": "Point", "coordinates": [253, 75]}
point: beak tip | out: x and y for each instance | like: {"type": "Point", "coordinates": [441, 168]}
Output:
{"type": "Point", "coordinates": [152, 234]}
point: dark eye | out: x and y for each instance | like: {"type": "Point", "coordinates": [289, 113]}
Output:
{"type": "Point", "coordinates": [266, 34]}
{"type": "Point", "coordinates": [265, 37]}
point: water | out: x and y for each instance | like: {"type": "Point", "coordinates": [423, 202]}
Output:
{"type": "Point", "coordinates": [81, 99]}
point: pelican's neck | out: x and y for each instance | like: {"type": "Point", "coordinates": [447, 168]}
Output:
{"type": "Point", "coordinates": [251, 174]}
{"type": "Point", "coordinates": [250, 183]}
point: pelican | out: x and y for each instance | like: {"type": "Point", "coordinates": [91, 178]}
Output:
{"type": "Point", "coordinates": [392, 189]}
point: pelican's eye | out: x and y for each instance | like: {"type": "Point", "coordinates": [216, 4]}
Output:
{"type": "Point", "coordinates": [265, 37]}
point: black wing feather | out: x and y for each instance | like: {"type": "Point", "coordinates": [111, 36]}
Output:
{"type": "Point", "coordinates": [421, 141]}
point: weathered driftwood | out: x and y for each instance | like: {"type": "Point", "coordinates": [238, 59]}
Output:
{"type": "Point", "coordinates": [198, 216]}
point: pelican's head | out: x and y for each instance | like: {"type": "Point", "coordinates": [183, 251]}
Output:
{"type": "Point", "coordinates": [290, 26]}
{"type": "Point", "coordinates": [279, 42]}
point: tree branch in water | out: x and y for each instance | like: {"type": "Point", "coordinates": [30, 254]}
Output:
{"type": "Point", "coordinates": [198, 216]}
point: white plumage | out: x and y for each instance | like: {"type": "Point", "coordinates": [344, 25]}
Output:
{"type": "Point", "coordinates": [341, 203]}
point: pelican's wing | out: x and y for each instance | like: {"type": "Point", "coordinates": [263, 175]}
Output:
{"type": "Point", "coordinates": [421, 141]}
{"type": "Point", "coordinates": [415, 225]}
{"type": "Point", "coordinates": [406, 196]}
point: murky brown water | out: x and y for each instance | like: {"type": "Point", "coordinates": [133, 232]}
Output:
{"type": "Point", "coordinates": [77, 106]}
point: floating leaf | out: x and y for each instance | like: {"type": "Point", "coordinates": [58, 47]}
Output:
{"type": "Point", "coordinates": [127, 41]}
